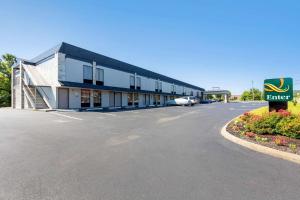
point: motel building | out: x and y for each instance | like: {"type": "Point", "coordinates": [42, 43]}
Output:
{"type": "Point", "coordinates": [69, 77]}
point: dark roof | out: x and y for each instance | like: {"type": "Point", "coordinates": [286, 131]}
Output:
{"type": "Point", "coordinates": [78, 53]}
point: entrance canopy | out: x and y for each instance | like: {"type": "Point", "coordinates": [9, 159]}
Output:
{"type": "Point", "coordinates": [226, 94]}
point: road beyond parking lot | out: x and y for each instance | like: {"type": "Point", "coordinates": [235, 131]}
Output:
{"type": "Point", "coordinates": [168, 153]}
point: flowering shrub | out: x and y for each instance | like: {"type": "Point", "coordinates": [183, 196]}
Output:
{"type": "Point", "coordinates": [265, 124]}
{"type": "Point", "coordinates": [284, 113]}
{"type": "Point", "coordinates": [280, 141]}
{"type": "Point", "coordinates": [281, 122]}
{"type": "Point", "coordinates": [261, 139]}
{"type": "Point", "coordinates": [246, 116]}
{"type": "Point", "coordinates": [293, 147]}
{"type": "Point", "coordinates": [289, 126]}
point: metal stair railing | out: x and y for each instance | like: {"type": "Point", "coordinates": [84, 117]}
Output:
{"type": "Point", "coordinates": [33, 96]}
{"type": "Point", "coordinates": [45, 97]}
{"type": "Point", "coordinates": [29, 94]}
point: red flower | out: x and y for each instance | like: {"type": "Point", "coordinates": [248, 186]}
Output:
{"type": "Point", "coordinates": [250, 134]}
{"type": "Point", "coordinates": [247, 113]}
{"type": "Point", "coordinates": [256, 117]}
{"type": "Point", "coordinates": [280, 141]}
{"type": "Point", "coordinates": [284, 113]}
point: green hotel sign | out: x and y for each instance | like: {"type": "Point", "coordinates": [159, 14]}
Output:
{"type": "Point", "coordinates": [279, 89]}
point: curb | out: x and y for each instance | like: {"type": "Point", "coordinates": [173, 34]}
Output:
{"type": "Point", "coordinates": [259, 148]}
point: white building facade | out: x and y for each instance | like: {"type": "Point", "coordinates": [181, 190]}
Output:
{"type": "Point", "coordinates": [69, 77]}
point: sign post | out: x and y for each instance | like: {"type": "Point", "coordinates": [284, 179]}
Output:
{"type": "Point", "coordinates": [278, 92]}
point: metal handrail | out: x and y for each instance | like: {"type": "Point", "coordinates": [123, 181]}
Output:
{"type": "Point", "coordinates": [44, 92]}
{"type": "Point", "coordinates": [27, 87]}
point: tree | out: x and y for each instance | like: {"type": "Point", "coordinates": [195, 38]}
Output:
{"type": "Point", "coordinates": [248, 95]}
{"type": "Point", "coordinates": [5, 79]}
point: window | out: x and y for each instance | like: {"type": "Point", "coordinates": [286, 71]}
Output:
{"type": "Point", "coordinates": [88, 74]}
{"type": "Point", "coordinates": [132, 82]}
{"type": "Point", "coordinates": [160, 86]}
{"type": "Point", "coordinates": [85, 98]}
{"type": "Point", "coordinates": [136, 99]}
{"type": "Point", "coordinates": [97, 98]}
{"type": "Point", "coordinates": [138, 83]}
{"type": "Point", "coordinates": [198, 94]}
{"type": "Point", "coordinates": [173, 89]}
{"type": "Point", "coordinates": [130, 99]}
{"type": "Point", "coordinates": [156, 86]}
{"type": "Point", "coordinates": [99, 76]}
{"type": "Point", "coordinates": [192, 93]}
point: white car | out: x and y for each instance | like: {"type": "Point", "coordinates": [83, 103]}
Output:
{"type": "Point", "coordinates": [194, 100]}
{"type": "Point", "coordinates": [183, 101]}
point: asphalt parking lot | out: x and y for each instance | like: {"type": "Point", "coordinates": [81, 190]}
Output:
{"type": "Point", "coordinates": [166, 153]}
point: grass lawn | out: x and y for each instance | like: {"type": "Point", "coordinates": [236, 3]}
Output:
{"type": "Point", "coordinates": [292, 108]}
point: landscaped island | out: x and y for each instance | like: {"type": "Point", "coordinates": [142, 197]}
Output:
{"type": "Point", "coordinates": [278, 130]}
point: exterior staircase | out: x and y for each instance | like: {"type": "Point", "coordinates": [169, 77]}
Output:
{"type": "Point", "coordinates": [34, 97]}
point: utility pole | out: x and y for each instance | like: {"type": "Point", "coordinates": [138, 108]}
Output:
{"type": "Point", "coordinates": [252, 91]}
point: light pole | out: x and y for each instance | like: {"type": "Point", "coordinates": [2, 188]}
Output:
{"type": "Point", "coordinates": [252, 91]}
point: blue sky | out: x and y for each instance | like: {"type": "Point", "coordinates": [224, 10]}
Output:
{"type": "Point", "coordinates": [206, 43]}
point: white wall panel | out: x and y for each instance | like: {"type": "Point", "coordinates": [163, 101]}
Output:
{"type": "Point", "coordinates": [179, 89]}
{"type": "Point", "coordinates": [115, 78]}
{"type": "Point", "coordinates": [49, 71]}
{"type": "Point", "coordinates": [74, 70]}
{"type": "Point", "coordinates": [166, 87]}
{"type": "Point", "coordinates": [141, 100]}
{"type": "Point", "coordinates": [124, 99]}
{"type": "Point", "coordinates": [147, 83]}
{"type": "Point", "coordinates": [74, 98]}
{"type": "Point", "coordinates": [105, 99]}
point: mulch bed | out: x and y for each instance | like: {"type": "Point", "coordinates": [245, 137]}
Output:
{"type": "Point", "coordinates": [270, 143]}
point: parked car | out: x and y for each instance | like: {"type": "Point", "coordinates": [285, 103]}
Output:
{"type": "Point", "coordinates": [206, 101]}
{"type": "Point", "coordinates": [183, 101]}
{"type": "Point", "coordinates": [194, 100]}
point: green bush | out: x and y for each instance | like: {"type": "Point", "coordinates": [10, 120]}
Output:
{"type": "Point", "coordinates": [289, 126]}
{"type": "Point", "coordinates": [265, 124]}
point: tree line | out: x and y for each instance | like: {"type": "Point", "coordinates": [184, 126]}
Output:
{"type": "Point", "coordinates": [252, 94]}
{"type": "Point", "coordinates": [6, 63]}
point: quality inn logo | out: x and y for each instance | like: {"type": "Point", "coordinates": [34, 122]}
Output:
{"type": "Point", "coordinates": [272, 88]}
{"type": "Point", "coordinates": [280, 89]}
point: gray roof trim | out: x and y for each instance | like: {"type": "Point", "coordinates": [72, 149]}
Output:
{"type": "Point", "coordinates": [78, 53]}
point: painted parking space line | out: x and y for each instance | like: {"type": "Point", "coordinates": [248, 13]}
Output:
{"type": "Point", "coordinates": [61, 121]}
{"type": "Point", "coordinates": [67, 116]}
{"type": "Point", "coordinates": [134, 112]}
{"type": "Point", "coordinates": [109, 114]}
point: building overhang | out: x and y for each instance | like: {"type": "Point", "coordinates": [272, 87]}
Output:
{"type": "Point", "coordinates": [110, 88]}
